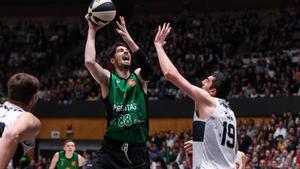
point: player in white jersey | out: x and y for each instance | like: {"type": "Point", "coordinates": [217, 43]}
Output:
{"type": "Point", "coordinates": [18, 127]}
{"type": "Point", "coordinates": [214, 125]}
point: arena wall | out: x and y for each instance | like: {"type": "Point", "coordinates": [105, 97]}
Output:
{"type": "Point", "coordinates": [259, 107]}
{"type": "Point", "coordinates": [94, 128]}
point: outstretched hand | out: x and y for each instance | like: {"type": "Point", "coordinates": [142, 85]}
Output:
{"type": "Point", "coordinates": [122, 30]}
{"type": "Point", "coordinates": [162, 34]}
{"type": "Point", "coordinates": [92, 25]}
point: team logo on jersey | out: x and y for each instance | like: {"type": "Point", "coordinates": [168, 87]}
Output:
{"type": "Point", "coordinates": [74, 163]}
{"type": "Point", "coordinates": [131, 82]}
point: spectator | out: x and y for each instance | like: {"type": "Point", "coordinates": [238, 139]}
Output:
{"type": "Point", "coordinates": [280, 130]}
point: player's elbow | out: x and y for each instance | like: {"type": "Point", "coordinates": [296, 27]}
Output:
{"type": "Point", "coordinates": [89, 63]}
{"type": "Point", "coordinates": [171, 74]}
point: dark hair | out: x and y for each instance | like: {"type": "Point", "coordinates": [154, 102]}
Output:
{"type": "Point", "coordinates": [114, 48]}
{"type": "Point", "coordinates": [22, 87]}
{"type": "Point", "coordinates": [222, 83]}
{"type": "Point", "coordinates": [68, 141]}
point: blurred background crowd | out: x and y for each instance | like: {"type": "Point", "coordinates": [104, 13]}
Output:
{"type": "Point", "coordinates": [258, 49]}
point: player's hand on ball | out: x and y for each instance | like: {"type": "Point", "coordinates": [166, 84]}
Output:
{"type": "Point", "coordinates": [92, 26]}
{"type": "Point", "coordinates": [162, 34]}
{"type": "Point", "coordinates": [188, 146]}
{"type": "Point", "coordinates": [122, 30]}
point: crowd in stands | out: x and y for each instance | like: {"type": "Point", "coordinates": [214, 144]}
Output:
{"type": "Point", "coordinates": [271, 144]}
{"type": "Point", "coordinates": [254, 49]}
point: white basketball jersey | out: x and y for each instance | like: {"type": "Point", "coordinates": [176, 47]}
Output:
{"type": "Point", "coordinates": [214, 140]}
{"type": "Point", "coordinates": [8, 114]}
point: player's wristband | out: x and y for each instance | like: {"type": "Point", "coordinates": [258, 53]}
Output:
{"type": "Point", "coordinates": [144, 64]}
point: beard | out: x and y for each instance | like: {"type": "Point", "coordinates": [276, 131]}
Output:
{"type": "Point", "coordinates": [124, 66]}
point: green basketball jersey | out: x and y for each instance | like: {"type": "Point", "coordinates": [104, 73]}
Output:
{"type": "Point", "coordinates": [127, 111]}
{"type": "Point", "coordinates": [65, 163]}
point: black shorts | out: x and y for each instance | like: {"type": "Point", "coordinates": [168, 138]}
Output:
{"type": "Point", "coordinates": [116, 155]}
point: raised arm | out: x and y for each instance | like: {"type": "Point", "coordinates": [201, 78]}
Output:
{"type": "Point", "coordinates": [100, 74]}
{"type": "Point", "coordinates": [122, 30]}
{"type": "Point", "coordinates": [146, 70]}
{"type": "Point", "coordinates": [171, 73]}
{"type": "Point", "coordinates": [26, 127]}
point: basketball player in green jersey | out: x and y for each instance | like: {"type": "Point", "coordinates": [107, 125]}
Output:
{"type": "Point", "coordinates": [68, 158]}
{"type": "Point", "coordinates": [124, 95]}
